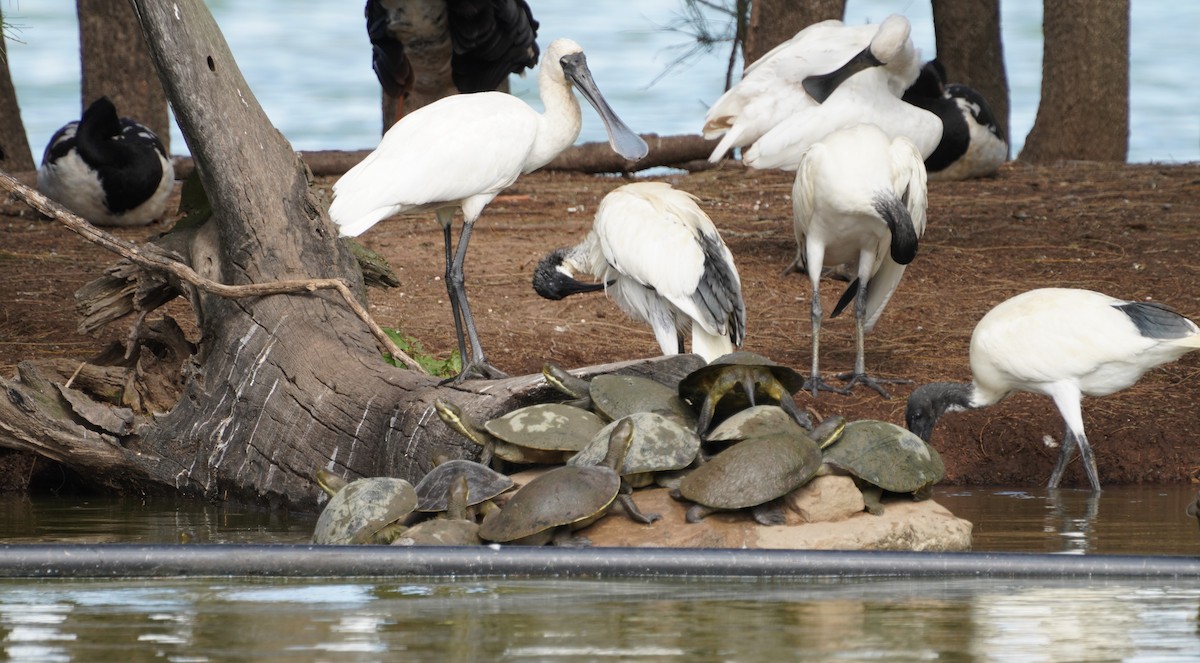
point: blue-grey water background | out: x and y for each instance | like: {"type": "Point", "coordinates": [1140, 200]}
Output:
{"type": "Point", "coordinates": [309, 66]}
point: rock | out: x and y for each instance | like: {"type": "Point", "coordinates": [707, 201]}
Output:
{"type": "Point", "coordinates": [824, 499]}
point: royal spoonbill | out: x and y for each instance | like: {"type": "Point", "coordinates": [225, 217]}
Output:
{"type": "Point", "coordinates": [110, 170]}
{"type": "Point", "coordinates": [663, 262]}
{"type": "Point", "coordinates": [859, 198]}
{"type": "Point", "coordinates": [803, 71]}
{"type": "Point", "coordinates": [443, 47]}
{"type": "Point", "coordinates": [972, 143]}
{"type": "Point", "coordinates": [1064, 343]}
{"type": "Point", "coordinates": [459, 152]}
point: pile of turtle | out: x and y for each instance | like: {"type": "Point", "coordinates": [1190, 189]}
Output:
{"type": "Point", "coordinates": [728, 437]}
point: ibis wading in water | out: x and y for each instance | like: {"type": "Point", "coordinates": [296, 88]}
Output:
{"type": "Point", "coordinates": [1064, 343]}
{"type": "Point", "coordinates": [108, 169]}
{"type": "Point", "coordinates": [859, 198]}
{"type": "Point", "coordinates": [460, 152]}
{"type": "Point", "coordinates": [660, 258]}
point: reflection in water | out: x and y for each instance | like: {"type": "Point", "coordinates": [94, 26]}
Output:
{"type": "Point", "coordinates": [818, 619]}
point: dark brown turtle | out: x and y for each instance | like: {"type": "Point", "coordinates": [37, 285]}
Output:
{"type": "Point", "coordinates": [483, 483]}
{"type": "Point", "coordinates": [565, 499]}
{"type": "Point", "coordinates": [362, 511]}
{"type": "Point", "coordinates": [739, 380]}
{"type": "Point", "coordinates": [455, 527]}
{"type": "Point", "coordinates": [882, 456]}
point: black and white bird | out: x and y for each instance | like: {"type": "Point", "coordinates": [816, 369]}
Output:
{"type": "Point", "coordinates": [661, 259]}
{"type": "Point", "coordinates": [460, 152]}
{"type": "Point", "coordinates": [1064, 343]}
{"type": "Point", "coordinates": [859, 199]}
{"type": "Point", "coordinates": [801, 73]}
{"type": "Point", "coordinates": [972, 142]}
{"type": "Point", "coordinates": [108, 169]}
{"type": "Point", "coordinates": [442, 47]}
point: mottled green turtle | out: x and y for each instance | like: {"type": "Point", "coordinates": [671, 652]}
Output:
{"type": "Point", "coordinates": [455, 527]}
{"type": "Point", "coordinates": [364, 510]}
{"type": "Point", "coordinates": [659, 444]}
{"type": "Point", "coordinates": [755, 472]}
{"type": "Point", "coordinates": [493, 447]}
{"type": "Point", "coordinates": [547, 427]}
{"type": "Point", "coordinates": [882, 456]}
{"type": "Point", "coordinates": [483, 483]}
{"type": "Point", "coordinates": [714, 389]}
{"type": "Point", "coordinates": [565, 499]}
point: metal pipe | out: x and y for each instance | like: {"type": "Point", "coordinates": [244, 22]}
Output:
{"type": "Point", "coordinates": [151, 561]}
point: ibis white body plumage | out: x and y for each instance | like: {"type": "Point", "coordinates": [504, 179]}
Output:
{"type": "Point", "coordinates": [859, 199]}
{"type": "Point", "coordinates": [1064, 343]}
{"type": "Point", "coordinates": [661, 259]}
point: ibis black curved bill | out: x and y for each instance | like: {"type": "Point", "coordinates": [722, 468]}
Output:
{"type": "Point", "coordinates": [622, 139]}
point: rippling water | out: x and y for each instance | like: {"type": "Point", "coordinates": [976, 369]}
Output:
{"type": "Point", "coordinates": [310, 68]}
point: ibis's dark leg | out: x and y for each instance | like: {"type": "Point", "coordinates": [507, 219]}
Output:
{"type": "Point", "coordinates": [814, 382]}
{"type": "Point", "coordinates": [477, 367]}
{"type": "Point", "coordinates": [859, 376]}
{"type": "Point", "coordinates": [446, 218]}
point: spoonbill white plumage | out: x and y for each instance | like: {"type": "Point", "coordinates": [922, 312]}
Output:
{"type": "Point", "coordinates": [663, 262]}
{"type": "Point", "coordinates": [1064, 343]}
{"type": "Point", "coordinates": [460, 152]}
{"type": "Point", "coordinates": [112, 171]}
{"type": "Point", "coordinates": [972, 143]}
{"type": "Point", "coordinates": [859, 197]}
{"type": "Point", "coordinates": [803, 71]}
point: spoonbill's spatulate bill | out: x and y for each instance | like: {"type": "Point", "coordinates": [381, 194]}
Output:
{"type": "Point", "coordinates": [1063, 343]}
{"type": "Point", "coordinates": [460, 152]}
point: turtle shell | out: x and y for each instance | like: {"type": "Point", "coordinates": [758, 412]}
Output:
{"type": "Point", "coordinates": [483, 483]}
{"type": "Point", "coordinates": [695, 385]}
{"type": "Point", "coordinates": [753, 472]}
{"type": "Point", "coordinates": [618, 396]}
{"type": "Point", "coordinates": [659, 444]}
{"type": "Point", "coordinates": [753, 422]}
{"type": "Point", "coordinates": [547, 426]}
{"type": "Point", "coordinates": [362, 509]}
{"type": "Point", "coordinates": [567, 495]}
{"type": "Point", "coordinates": [886, 455]}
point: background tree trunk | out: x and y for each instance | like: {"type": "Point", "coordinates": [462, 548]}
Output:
{"type": "Point", "coordinates": [1084, 108]}
{"type": "Point", "coordinates": [14, 145]}
{"type": "Point", "coordinates": [970, 47]}
{"type": "Point", "coordinates": [773, 22]}
{"type": "Point", "coordinates": [117, 64]}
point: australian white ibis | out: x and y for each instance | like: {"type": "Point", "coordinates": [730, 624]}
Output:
{"type": "Point", "coordinates": [1064, 343]}
{"type": "Point", "coordinates": [108, 169]}
{"type": "Point", "coordinates": [460, 152]}
{"type": "Point", "coordinates": [859, 198]}
{"type": "Point", "coordinates": [661, 259]}
{"type": "Point", "coordinates": [972, 143]}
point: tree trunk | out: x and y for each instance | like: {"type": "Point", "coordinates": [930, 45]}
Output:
{"type": "Point", "coordinates": [1084, 109]}
{"type": "Point", "coordinates": [117, 64]}
{"type": "Point", "coordinates": [277, 386]}
{"type": "Point", "coordinates": [14, 146]}
{"type": "Point", "coordinates": [773, 22]}
{"type": "Point", "coordinates": [970, 47]}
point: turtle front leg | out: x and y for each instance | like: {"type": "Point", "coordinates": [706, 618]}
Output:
{"type": "Point", "coordinates": [770, 513]}
{"type": "Point", "coordinates": [635, 514]}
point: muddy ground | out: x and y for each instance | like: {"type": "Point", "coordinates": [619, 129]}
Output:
{"type": "Point", "coordinates": [1130, 231]}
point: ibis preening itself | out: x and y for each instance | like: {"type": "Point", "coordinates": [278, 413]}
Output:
{"type": "Point", "coordinates": [108, 169]}
{"type": "Point", "coordinates": [1064, 343]}
{"type": "Point", "coordinates": [459, 152]}
{"type": "Point", "coordinates": [972, 142]}
{"type": "Point", "coordinates": [859, 199]}
{"type": "Point", "coordinates": [437, 48]}
{"type": "Point", "coordinates": [804, 71]}
{"type": "Point", "coordinates": [662, 261]}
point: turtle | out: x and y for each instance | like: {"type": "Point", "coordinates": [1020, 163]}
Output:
{"type": "Point", "coordinates": [568, 384]}
{"type": "Point", "coordinates": [660, 444]}
{"type": "Point", "coordinates": [364, 510]}
{"type": "Point", "coordinates": [882, 456]}
{"type": "Point", "coordinates": [546, 427]}
{"type": "Point", "coordinates": [615, 396]}
{"type": "Point", "coordinates": [751, 422]}
{"type": "Point", "coordinates": [456, 527]}
{"type": "Point", "coordinates": [566, 499]}
{"type": "Point", "coordinates": [483, 483]}
{"type": "Point", "coordinates": [713, 388]}
{"type": "Point", "coordinates": [755, 472]}
{"type": "Point", "coordinates": [493, 447]}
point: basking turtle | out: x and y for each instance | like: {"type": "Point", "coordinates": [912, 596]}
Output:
{"type": "Point", "coordinates": [714, 388]}
{"type": "Point", "coordinates": [659, 444]}
{"type": "Point", "coordinates": [752, 422]}
{"type": "Point", "coordinates": [456, 527]}
{"type": "Point", "coordinates": [547, 427]}
{"type": "Point", "coordinates": [565, 499]}
{"type": "Point", "coordinates": [483, 483]}
{"type": "Point", "coordinates": [756, 472]}
{"type": "Point", "coordinates": [364, 510]}
{"type": "Point", "coordinates": [615, 396]}
{"type": "Point", "coordinates": [493, 446]}
{"type": "Point", "coordinates": [882, 456]}
{"type": "Point", "coordinates": [568, 384]}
